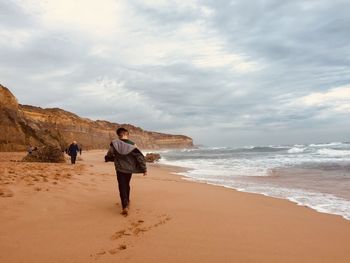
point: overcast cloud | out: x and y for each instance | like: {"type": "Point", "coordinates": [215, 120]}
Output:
{"type": "Point", "coordinates": [223, 72]}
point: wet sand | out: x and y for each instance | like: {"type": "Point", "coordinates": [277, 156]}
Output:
{"type": "Point", "coordinates": [66, 213]}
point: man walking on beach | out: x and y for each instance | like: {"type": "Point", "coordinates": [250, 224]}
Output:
{"type": "Point", "coordinates": [127, 160]}
{"type": "Point", "coordinates": [73, 151]}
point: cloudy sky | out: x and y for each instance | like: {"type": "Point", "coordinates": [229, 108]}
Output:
{"type": "Point", "coordinates": [238, 72]}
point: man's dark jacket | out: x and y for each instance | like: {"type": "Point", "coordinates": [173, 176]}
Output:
{"type": "Point", "coordinates": [127, 158]}
{"type": "Point", "coordinates": [73, 150]}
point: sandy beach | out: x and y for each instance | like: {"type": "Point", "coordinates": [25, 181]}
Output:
{"type": "Point", "coordinates": [66, 213]}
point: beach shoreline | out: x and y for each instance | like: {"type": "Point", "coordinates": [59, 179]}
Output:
{"type": "Point", "coordinates": [314, 175]}
{"type": "Point", "coordinates": [65, 213]}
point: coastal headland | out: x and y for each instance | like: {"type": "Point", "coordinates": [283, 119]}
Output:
{"type": "Point", "coordinates": [24, 125]}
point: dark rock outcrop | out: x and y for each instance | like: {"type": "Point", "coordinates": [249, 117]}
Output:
{"type": "Point", "coordinates": [23, 125]}
{"type": "Point", "coordinates": [152, 157]}
{"type": "Point", "coordinates": [46, 154]}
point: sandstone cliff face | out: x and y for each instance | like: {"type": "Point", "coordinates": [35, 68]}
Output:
{"type": "Point", "coordinates": [11, 134]}
{"type": "Point", "coordinates": [22, 125]}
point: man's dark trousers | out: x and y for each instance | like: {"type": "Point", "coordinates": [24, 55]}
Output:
{"type": "Point", "coordinates": [73, 158]}
{"type": "Point", "coordinates": [124, 187]}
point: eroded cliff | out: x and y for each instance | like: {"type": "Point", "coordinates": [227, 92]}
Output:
{"type": "Point", "coordinates": [23, 125]}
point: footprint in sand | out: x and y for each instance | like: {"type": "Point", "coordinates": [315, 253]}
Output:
{"type": "Point", "coordinates": [98, 254]}
{"type": "Point", "coordinates": [122, 247]}
{"type": "Point", "coordinates": [117, 249]}
{"type": "Point", "coordinates": [113, 251]}
{"type": "Point", "coordinates": [4, 192]}
{"type": "Point", "coordinates": [162, 220]}
{"type": "Point", "coordinates": [135, 229]}
{"type": "Point", "coordinates": [120, 234]}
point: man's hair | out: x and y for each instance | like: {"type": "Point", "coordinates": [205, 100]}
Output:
{"type": "Point", "coordinates": [122, 131]}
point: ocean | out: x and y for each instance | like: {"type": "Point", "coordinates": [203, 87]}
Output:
{"type": "Point", "coordinates": [313, 175]}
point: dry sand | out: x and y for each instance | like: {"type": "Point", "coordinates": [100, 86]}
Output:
{"type": "Point", "coordinates": [64, 213]}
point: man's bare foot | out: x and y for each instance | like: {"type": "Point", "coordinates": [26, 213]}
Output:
{"type": "Point", "coordinates": [125, 211]}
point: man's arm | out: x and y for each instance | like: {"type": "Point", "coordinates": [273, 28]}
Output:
{"type": "Point", "coordinates": [110, 154]}
{"type": "Point", "coordinates": [140, 160]}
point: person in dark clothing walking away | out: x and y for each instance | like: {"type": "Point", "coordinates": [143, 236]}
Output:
{"type": "Point", "coordinates": [127, 159]}
{"type": "Point", "coordinates": [73, 151]}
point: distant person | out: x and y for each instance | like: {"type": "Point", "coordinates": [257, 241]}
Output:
{"type": "Point", "coordinates": [73, 150]}
{"type": "Point", "coordinates": [30, 149]}
{"type": "Point", "coordinates": [127, 160]}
